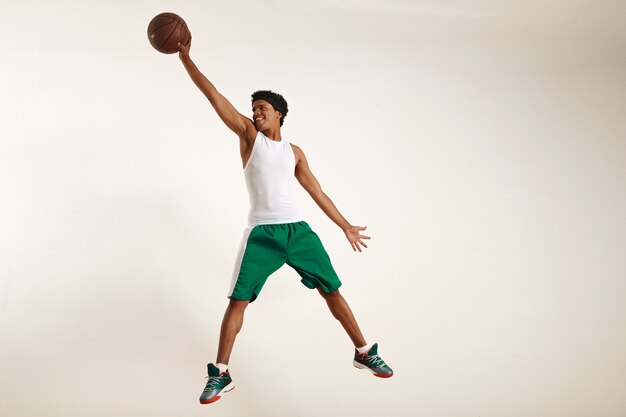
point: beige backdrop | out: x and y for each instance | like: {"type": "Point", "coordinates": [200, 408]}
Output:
{"type": "Point", "coordinates": [483, 143]}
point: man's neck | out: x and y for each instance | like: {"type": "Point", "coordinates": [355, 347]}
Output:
{"type": "Point", "coordinates": [273, 134]}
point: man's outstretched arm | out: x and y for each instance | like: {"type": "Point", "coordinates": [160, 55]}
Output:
{"type": "Point", "coordinates": [312, 186]}
{"type": "Point", "coordinates": [238, 123]}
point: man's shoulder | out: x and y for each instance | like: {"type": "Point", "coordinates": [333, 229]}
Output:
{"type": "Point", "coordinates": [297, 153]}
{"type": "Point", "coordinates": [296, 150]}
{"type": "Point", "coordinates": [295, 147]}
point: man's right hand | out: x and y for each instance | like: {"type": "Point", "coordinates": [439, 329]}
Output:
{"type": "Point", "coordinates": [184, 49]}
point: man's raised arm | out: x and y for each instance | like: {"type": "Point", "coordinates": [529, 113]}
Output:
{"type": "Point", "coordinates": [238, 123]}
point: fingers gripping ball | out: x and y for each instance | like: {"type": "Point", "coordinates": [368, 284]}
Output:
{"type": "Point", "coordinates": [166, 30]}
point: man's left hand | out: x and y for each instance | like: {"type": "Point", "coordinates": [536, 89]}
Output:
{"type": "Point", "coordinates": [353, 233]}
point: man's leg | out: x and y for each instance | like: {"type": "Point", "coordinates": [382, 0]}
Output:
{"type": "Point", "coordinates": [341, 311]}
{"type": "Point", "coordinates": [231, 325]}
{"type": "Point", "coordinates": [365, 356]}
{"type": "Point", "coordinates": [219, 376]}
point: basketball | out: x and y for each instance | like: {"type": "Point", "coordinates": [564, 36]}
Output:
{"type": "Point", "coordinates": [166, 30]}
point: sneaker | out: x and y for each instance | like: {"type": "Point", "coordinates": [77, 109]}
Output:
{"type": "Point", "coordinates": [217, 384]}
{"type": "Point", "coordinates": [372, 362]}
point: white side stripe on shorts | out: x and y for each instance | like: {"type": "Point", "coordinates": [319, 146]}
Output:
{"type": "Point", "coordinates": [239, 259]}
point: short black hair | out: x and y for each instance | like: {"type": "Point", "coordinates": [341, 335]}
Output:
{"type": "Point", "coordinates": [276, 100]}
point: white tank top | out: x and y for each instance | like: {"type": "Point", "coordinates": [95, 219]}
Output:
{"type": "Point", "coordinates": [270, 179]}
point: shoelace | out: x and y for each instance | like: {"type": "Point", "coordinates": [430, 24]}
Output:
{"type": "Point", "coordinates": [375, 360]}
{"type": "Point", "coordinates": [213, 382]}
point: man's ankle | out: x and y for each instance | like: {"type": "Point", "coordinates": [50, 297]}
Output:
{"type": "Point", "coordinates": [364, 349]}
{"type": "Point", "coordinates": [223, 367]}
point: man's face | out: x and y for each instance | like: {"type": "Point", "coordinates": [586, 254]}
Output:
{"type": "Point", "coordinates": [264, 115]}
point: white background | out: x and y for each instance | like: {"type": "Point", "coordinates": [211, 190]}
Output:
{"type": "Point", "coordinates": [483, 143]}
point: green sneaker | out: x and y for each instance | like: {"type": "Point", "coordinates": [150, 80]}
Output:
{"type": "Point", "coordinates": [372, 362]}
{"type": "Point", "coordinates": [218, 383]}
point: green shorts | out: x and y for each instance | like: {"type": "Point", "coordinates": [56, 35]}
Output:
{"type": "Point", "coordinates": [265, 248]}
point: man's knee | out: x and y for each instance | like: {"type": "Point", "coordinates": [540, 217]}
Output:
{"type": "Point", "coordinates": [329, 295]}
{"type": "Point", "coordinates": [237, 305]}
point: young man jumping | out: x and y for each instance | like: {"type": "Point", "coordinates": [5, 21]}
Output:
{"type": "Point", "coordinates": [276, 233]}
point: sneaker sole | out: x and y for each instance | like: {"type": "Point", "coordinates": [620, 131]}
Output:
{"type": "Point", "coordinates": [361, 366]}
{"type": "Point", "coordinates": [227, 388]}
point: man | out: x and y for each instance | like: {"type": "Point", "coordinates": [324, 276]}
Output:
{"type": "Point", "coordinates": [276, 234]}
